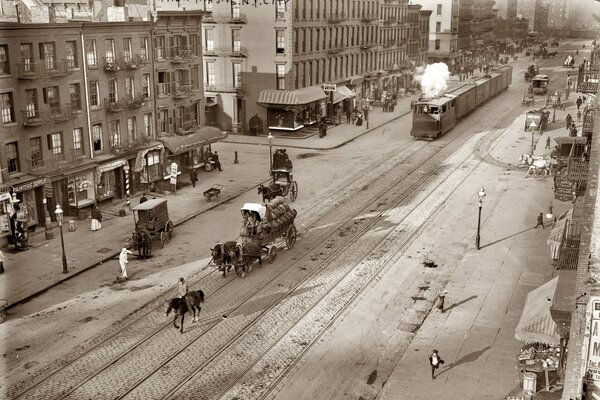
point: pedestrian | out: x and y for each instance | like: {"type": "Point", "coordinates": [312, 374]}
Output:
{"type": "Point", "coordinates": [143, 198]}
{"type": "Point", "coordinates": [548, 142]}
{"type": "Point", "coordinates": [96, 218]}
{"type": "Point", "coordinates": [182, 291]}
{"type": "Point", "coordinates": [353, 116]}
{"type": "Point", "coordinates": [540, 220]}
{"type": "Point", "coordinates": [567, 92]}
{"type": "Point", "coordinates": [193, 176]}
{"type": "Point", "coordinates": [348, 116]}
{"type": "Point", "coordinates": [578, 116]}
{"type": "Point", "coordinates": [123, 262]}
{"type": "Point", "coordinates": [441, 298]}
{"type": "Point", "coordinates": [215, 159]}
{"type": "Point", "coordinates": [569, 120]}
{"type": "Point", "coordinates": [578, 102]}
{"type": "Point", "coordinates": [435, 361]}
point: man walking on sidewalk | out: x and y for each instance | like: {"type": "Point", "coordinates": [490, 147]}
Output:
{"type": "Point", "coordinates": [548, 142]}
{"type": "Point", "coordinates": [540, 220]}
{"type": "Point", "coordinates": [435, 361]}
{"type": "Point", "coordinates": [578, 115]}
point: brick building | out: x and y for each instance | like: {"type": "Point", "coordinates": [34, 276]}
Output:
{"type": "Point", "coordinates": [424, 17]}
{"type": "Point", "coordinates": [443, 31]}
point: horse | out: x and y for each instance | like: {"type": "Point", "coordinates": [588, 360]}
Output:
{"type": "Point", "coordinates": [269, 192]}
{"type": "Point", "coordinates": [179, 305]}
{"type": "Point", "coordinates": [527, 159]}
{"type": "Point", "coordinates": [245, 255]}
{"type": "Point", "coordinates": [222, 255]}
{"type": "Point", "coordinates": [142, 242]}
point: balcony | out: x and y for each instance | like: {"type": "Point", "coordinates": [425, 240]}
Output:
{"type": "Point", "coordinates": [128, 103]}
{"type": "Point", "coordinates": [55, 161]}
{"type": "Point", "coordinates": [182, 91]}
{"type": "Point", "coordinates": [180, 54]}
{"type": "Point", "coordinates": [45, 69]}
{"type": "Point", "coordinates": [33, 117]}
{"type": "Point", "coordinates": [239, 52]}
{"type": "Point", "coordinates": [110, 65]}
{"type": "Point", "coordinates": [113, 106]}
{"type": "Point", "coordinates": [131, 147]}
{"type": "Point", "coordinates": [238, 19]}
{"type": "Point", "coordinates": [133, 62]}
{"type": "Point", "coordinates": [187, 127]}
{"type": "Point", "coordinates": [61, 113]}
{"type": "Point", "coordinates": [335, 50]}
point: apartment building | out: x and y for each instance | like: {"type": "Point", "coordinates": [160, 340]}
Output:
{"type": "Point", "coordinates": [443, 31]}
{"type": "Point", "coordinates": [424, 20]}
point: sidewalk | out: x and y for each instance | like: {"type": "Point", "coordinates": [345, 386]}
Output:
{"type": "Point", "coordinates": [487, 290]}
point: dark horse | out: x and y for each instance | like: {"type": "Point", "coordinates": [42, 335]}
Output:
{"type": "Point", "coordinates": [223, 255]}
{"type": "Point", "coordinates": [142, 242]}
{"type": "Point", "coordinates": [178, 304]}
{"type": "Point", "coordinates": [244, 256]}
{"type": "Point", "coordinates": [269, 192]}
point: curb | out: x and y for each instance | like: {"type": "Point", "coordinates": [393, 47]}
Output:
{"type": "Point", "coordinates": [113, 255]}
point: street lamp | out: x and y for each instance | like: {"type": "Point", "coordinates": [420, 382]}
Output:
{"type": "Point", "coordinates": [481, 195]}
{"type": "Point", "coordinates": [59, 219]}
{"type": "Point", "coordinates": [270, 138]}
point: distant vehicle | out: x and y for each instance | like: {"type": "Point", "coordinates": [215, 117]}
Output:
{"type": "Point", "coordinates": [540, 84]}
{"type": "Point", "coordinates": [433, 117]}
{"type": "Point", "coordinates": [537, 120]}
{"type": "Point", "coordinates": [532, 71]}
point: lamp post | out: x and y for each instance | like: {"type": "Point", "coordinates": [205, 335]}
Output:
{"type": "Point", "coordinates": [481, 195]}
{"type": "Point", "coordinates": [59, 219]}
{"type": "Point", "coordinates": [270, 138]}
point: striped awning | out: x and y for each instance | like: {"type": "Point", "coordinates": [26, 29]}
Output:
{"type": "Point", "coordinates": [342, 93]}
{"type": "Point", "coordinates": [292, 97]}
{"type": "Point", "coordinates": [536, 323]}
{"type": "Point", "coordinates": [203, 136]}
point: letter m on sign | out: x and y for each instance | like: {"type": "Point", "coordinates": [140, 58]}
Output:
{"type": "Point", "coordinates": [596, 349]}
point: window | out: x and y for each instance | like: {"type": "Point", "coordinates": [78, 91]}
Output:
{"type": "Point", "coordinates": [437, 44]}
{"type": "Point", "coordinates": [12, 157]}
{"type": "Point", "coordinates": [31, 104]}
{"type": "Point", "coordinates": [115, 133]}
{"type": "Point", "coordinates": [109, 50]}
{"type": "Point", "coordinates": [55, 143]}
{"type": "Point", "coordinates": [304, 40]}
{"type": "Point", "coordinates": [48, 54]}
{"type": "Point", "coordinates": [129, 87]}
{"type": "Point", "coordinates": [72, 54]}
{"type": "Point", "coordinates": [127, 49]}
{"type": "Point", "coordinates": [78, 140]}
{"type": "Point", "coordinates": [179, 116]}
{"type": "Point", "coordinates": [235, 40]}
{"type": "Point", "coordinates": [159, 47]}
{"type": "Point", "coordinates": [113, 96]}
{"type": "Point", "coordinates": [280, 9]}
{"type": "Point", "coordinates": [7, 108]}
{"type": "Point", "coordinates": [194, 45]}
{"type": "Point", "coordinates": [280, 41]}
{"type": "Point", "coordinates": [237, 75]}
{"type": "Point", "coordinates": [90, 52]}
{"type": "Point", "coordinates": [439, 9]}
{"type": "Point", "coordinates": [26, 57]}
{"type": "Point", "coordinates": [208, 6]}
{"type": "Point", "coordinates": [147, 124]}
{"type": "Point", "coordinates": [438, 26]}
{"type": "Point", "coordinates": [210, 74]}
{"type": "Point", "coordinates": [194, 77]}
{"type": "Point", "coordinates": [163, 121]}
{"type": "Point", "coordinates": [75, 96]}
{"type": "Point", "coordinates": [235, 9]}
{"type": "Point", "coordinates": [4, 65]}
{"type": "Point", "coordinates": [146, 86]}
{"type": "Point", "coordinates": [97, 137]}
{"type": "Point", "coordinates": [94, 94]}
{"type": "Point", "coordinates": [209, 37]}
{"type": "Point", "coordinates": [131, 129]}
{"type": "Point", "coordinates": [35, 151]}
{"type": "Point", "coordinates": [280, 72]}
{"type": "Point", "coordinates": [144, 49]}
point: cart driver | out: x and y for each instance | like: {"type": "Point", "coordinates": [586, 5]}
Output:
{"type": "Point", "coordinates": [182, 290]}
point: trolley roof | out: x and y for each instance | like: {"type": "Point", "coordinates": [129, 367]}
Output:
{"type": "Point", "coordinates": [149, 204]}
{"type": "Point", "coordinates": [541, 78]}
{"type": "Point", "coordinates": [259, 208]}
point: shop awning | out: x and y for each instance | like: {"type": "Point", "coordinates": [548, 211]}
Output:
{"type": "Point", "coordinates": [563, 303]}
{"type": "Point", "coordinates": [140, 162]}
{"type": "Point", "coordinates": [292, 97]}
{"type": "Point", "coordinates": [570, 140]}
{"type": "Point", "coordinates": [342, 93]}
{"type": "Point", "coordinates": [536, 323]}
{"type": "Point", "coordinates": [556, 235]}
{"type": "Point", "coordinates": [111, 165]}
{"type": "Point", "coordinates": [184, 143]}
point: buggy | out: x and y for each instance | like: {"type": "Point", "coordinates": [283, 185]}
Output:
{"type": "Point", "coordinates": [283, 179]}
{"type": "Point", "coordinates": [532, 71]}
{"type": "Point", "coordinates": [152, 221]}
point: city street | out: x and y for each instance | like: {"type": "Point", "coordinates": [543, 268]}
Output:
{"type": "Point", "coordinates": [351, 306]}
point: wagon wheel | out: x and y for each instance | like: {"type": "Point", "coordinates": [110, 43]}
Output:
{"type": "Point", "coordinates": [169, 230]}
{"type": "Point", "coordinates": [272, 254]}
{"type": "Point", "coordinates": [293, 191]}
{"type": "Point", "coordinates": [290, 237]}
{"type": "Point", "coordinates": [163, 238]}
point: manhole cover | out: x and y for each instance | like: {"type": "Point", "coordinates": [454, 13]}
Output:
{"type": "Point", "coordinates": [103, 250]}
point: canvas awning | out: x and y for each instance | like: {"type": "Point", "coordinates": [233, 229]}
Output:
{"type": "Point", "coordinates": [342, 93]}
{"type": "Point", "coordinates": [111, 165]}
{"type": "Point", "coordinates": [185, 143]}
{"type": "Point", "coordinates": [536, 323]}
{"type": "Point", "coordinates": [570, 140]}
{"type": "Point", "coordinates": [563, 303]}
{"type": "Point", "coordinates": [556, 235]}
{"type": "Point", "coordinates": [292, 97]}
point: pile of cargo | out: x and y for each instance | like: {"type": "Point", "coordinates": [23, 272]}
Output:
{"type": "Point", "coordinates": [539, 354]}
{"type": "Point", "coordinates": [259, 218]}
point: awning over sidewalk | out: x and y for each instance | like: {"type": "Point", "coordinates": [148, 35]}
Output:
{"type": "Point", "coordinates": [342, 93]}
{"type": "Point", "coordinates": [292, 97]}
{"type": "Point", "coordinates": [184, 143]}
{"type": "Point", "coordinates": [536, 323]}
{"type": "Point", "coordinates": [111, 165]}
{"type": "Point", "coordinates": [563, 303]}
{"type": "Point", "coordinates": [556, 235]}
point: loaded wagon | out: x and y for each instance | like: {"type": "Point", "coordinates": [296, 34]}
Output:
{"type": "Point", "coordinates": [152, 221]}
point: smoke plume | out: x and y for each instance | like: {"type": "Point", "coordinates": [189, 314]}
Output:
{"type": "Point", "coordinates": [433, 80]}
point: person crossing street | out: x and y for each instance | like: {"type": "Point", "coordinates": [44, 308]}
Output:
{"type": "Point", "coordinates": [435, 361]}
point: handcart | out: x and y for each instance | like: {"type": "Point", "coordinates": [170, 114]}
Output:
{"type": "Point", "coordinates": [213, 193]}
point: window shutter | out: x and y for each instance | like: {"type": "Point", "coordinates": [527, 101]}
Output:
{"type": "Point", "coordinates": [49, 139]}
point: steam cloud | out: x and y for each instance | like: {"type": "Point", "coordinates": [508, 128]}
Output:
{"type": "Point", "coordinates": [433, 79]}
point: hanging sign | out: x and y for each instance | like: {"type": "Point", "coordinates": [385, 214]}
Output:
{"type": "Point", "coordinates": [173, 180]}
{"type": "Point", "coordinates": [329, 87]}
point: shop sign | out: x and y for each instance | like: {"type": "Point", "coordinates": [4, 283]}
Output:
{"type": "Point", "coordinates": [592, 364]}
{"type": "Point", "coordinates": [173, 180]}
{"type": "Point", "coordinates": [329, 87]}
{"type": "Point", "coordinates": [23, 187]}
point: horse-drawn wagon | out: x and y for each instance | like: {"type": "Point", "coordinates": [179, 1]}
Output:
{"type": "Point", "coordinates": [532, 71]}
{"type": "Point", "coordinates": [282, 184]}
{"type": "Point", "coordinates": [152, 221]}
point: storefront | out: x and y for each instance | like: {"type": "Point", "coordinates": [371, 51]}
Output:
{"type": "Point", "coordinates": [147, 167]}
{"type": "Point", "coordinates": [343, 102]}
{"type": "Point", "coordinates": [188, 151]}
{"type": "Point", "coordinates": [109, 180]}
{"type": "Point", "coordinates": [293, 109]}
{"type": "Point", "coordinates": [28, 193]}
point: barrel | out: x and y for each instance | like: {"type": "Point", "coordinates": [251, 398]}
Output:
{"type": "Point", "coordinates": [529, 381]}
{"type": "Point", "coordinates": [71, 226]}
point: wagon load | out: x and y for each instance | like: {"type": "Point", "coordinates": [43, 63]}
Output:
{"type": "Point", "coordinates": [264, 218]}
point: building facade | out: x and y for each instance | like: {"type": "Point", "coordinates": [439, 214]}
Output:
{"type": "Point", "coordinates": [443, 31]}
{"type": "Point", "coordinates": [424, 20]}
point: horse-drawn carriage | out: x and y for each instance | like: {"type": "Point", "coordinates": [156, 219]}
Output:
{"type": "Point", "coordinates": [532, 71]}
{"type": "Point", "coordinates": [152, 221]}
{"type": "Point", "coordinates": [282, 184]}
{"type": "Point", "coordinates": [528, 99]}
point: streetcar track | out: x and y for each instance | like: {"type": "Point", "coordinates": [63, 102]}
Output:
{"type": "Point", "coordinates": [208, 276]}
